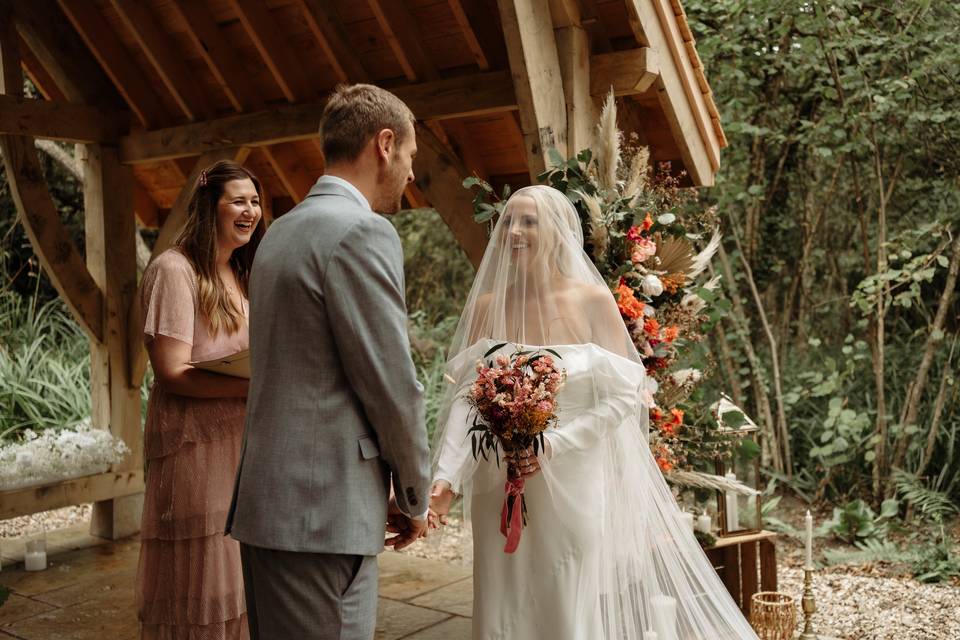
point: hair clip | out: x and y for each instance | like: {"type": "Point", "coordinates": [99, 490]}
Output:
{"type": "Point", "coordinates": [203, 178]}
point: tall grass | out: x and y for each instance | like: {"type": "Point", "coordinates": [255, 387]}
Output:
{"type": "Point", "coordinates": [44, 367]}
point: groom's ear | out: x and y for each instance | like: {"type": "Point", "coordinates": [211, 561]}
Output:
{"type": "Point", "coordinates": [385, 142]}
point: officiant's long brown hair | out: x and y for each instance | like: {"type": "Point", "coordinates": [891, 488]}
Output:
{"type": "Point", "coordinates": [199, 241]}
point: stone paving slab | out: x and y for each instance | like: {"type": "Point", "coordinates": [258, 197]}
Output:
{"type": "Point", "coordinates": [88, 594]}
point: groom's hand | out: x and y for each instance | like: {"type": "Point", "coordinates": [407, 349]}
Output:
{"type": "Point", "coordinates": [408, 530]}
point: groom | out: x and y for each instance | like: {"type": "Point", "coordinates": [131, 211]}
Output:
{"type": "Point", "coordinates": [335, 444]}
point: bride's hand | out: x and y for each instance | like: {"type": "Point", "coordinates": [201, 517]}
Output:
{"type": "Point", "coordinates": [529, 463]}
{"type": "Point", "coordinates": [441, 498]}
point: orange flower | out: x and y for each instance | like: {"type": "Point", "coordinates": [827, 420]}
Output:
{"type": "Point", "coordinates": [664, 464]}
{"type": "Point", "coordinates": [670, 333]}
{"type": "Point", "coordinates": [628, 304]}
{"type": "Point", "coordinates": [651, 327]}
{"type": "Point", "coordinates": [647, 222]}
{"type": "Point", "coordinates": [677, 416]}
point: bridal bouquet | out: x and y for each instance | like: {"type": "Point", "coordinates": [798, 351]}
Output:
{"type": "Point", "coordinates": [514, 402]}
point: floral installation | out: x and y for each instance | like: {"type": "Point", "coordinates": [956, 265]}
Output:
{"type": "Point", "coordinates": [514, 401]}
{"type": "Point", "coordinates": [55, 455]}
{"type": "Point", "coordinates": [641, 229]}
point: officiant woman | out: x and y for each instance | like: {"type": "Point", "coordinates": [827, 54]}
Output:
{"type": "Point", "coordinates": [194, 303]}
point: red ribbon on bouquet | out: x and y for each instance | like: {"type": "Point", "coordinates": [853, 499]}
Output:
{"type": "Point", "coordinates": [511, 517]}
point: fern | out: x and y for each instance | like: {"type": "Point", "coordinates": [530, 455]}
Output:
{"type": "Point", "coordinates": [935, 505]}
{"type": "Point", "coordinates": [870, 550]}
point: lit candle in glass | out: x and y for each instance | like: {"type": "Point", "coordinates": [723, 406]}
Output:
{"type": "Point", "coordinates": [35, 559]}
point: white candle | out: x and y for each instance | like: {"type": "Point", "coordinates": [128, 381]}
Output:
{"type": "Point", "coordinates": [35, 560]}
{"type": "Point", "coordinates": [809, 522]}
{"type": "Point", "coordinates": [686, 519]}
{"type": "Point", "coordinates": [703, 523]}
{"type": "Point", "coordinates": [733, 515]}
{"type": "Point", "coordinates": [664, 617]}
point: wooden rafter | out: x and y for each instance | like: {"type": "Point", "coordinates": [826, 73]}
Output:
{"type": "Point", "coordinates": [441, 99]}
{"type": "Point", "coordinates": [323, 21]}
{"type": "Point", "coordinates": [262, 28]}
{"type": "Point", "coordinates": [405, 39]}
{"type": "Point", "coordinates": [162, 54]}
{"type": "Point", "coordinates": [535, 63]}
{"type": "Point", "coordinates": [55, 120]}
{"type": "Point", "coordinates": [116, 61]}
{"type": "Point", "coordinates": [63, 55]}
{"type": "Point", "coordinates": [287, 164]}
{"type": "Point", "coordinates": [42, 80]}
{"type": "Point", "coordinates": [219, 55]}
{"type": "Point", "coordinates": [481, 33]}
{"type": "Point", "coordinates": [50, 240]}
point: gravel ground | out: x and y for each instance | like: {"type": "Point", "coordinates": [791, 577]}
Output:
{"type": "Point", "coordinates": [47, 520]}
{"type": "Point", "coordinates": [853, 602]}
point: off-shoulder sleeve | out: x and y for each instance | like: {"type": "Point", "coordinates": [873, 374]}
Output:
{"type": "Point", "coordinates": [168, 298]}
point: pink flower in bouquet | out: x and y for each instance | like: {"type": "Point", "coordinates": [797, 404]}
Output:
{"type": "Point", "coordinates": [642, 250]}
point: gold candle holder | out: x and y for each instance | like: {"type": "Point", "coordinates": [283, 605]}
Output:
{"type": "Point", "coordinates": [809, 605]}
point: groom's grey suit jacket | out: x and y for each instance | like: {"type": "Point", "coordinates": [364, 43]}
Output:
{"type": "Point", "coordinates": [334, 406]}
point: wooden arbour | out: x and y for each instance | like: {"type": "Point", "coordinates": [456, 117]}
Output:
{"type": "Point", "coordinates": [152, 91]}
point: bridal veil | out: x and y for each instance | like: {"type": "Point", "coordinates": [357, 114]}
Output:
{"type": "Point", "coordinates": [601, 502]}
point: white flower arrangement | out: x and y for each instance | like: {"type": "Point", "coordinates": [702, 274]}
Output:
{"type": "Point", "coordinates": [56, 455]}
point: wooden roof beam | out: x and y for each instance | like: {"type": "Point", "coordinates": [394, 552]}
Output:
{"type": "Point", "coordinates": [626, 72]}
{"type": "Point", "coordinates": [116, 61]}
{"type": "Point", "coordinates": [654, 24]}
{"type": "Point", "coordinates": [405, 39]}
{"type": "Point", "coordinates": [56, 120]}
{"type": "Point", "coordinates": [481, 32]}
{"type": "Point", "coordinates": [323, 21]}
{"type": "Point", "coordinates": [161, 53]}
{"type": "Point", "coordinates": [438, 100]}
{"type": "Point", "coordinates": [272, 45]}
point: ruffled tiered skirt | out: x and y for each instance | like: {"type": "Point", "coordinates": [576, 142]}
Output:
{"type": "Point", "coordinates": [189, 580]}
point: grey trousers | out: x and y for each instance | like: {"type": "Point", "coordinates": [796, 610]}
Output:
{"type": "Point", "coordinates": [309, 596]}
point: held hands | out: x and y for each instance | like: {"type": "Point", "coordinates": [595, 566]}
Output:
{"type": "Point", "coordinates": [408, 530]}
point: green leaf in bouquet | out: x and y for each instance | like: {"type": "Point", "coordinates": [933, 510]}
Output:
{"type": "Point", "coordinates": [552, 352]}
{"type": "Point", "coordinates": [556, 158]}
{"type": "Point", "coordinates": [472, 181]}
{"type": "Point", "coordinates": [494, 349]}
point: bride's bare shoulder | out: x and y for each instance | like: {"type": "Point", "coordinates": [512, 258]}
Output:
{"type": "Point", "coordinates": [583, 293]}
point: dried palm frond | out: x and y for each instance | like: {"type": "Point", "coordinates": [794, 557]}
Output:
{"type": "Point", "coordinates": [599, 234]}
{"type": "Point", "coordinates": [636, 179]}
{"type": "Point", "coordinates": [674, 255]}
{"type": "Point", "coordinates": [606, 144]}
{"type": "Point", "coordinates": [699, 480]}
{"type": "Point", "coordinates": [702, 260]}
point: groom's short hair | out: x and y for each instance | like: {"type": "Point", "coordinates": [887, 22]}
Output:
{"type": "Point", "coordinates": [355, 113]}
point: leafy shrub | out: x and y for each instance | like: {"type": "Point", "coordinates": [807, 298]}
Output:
{"type": "Point", "coordinates": [857, 522]}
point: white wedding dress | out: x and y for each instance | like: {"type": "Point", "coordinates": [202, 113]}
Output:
{"type": "Point", "coordinates": [604, 554]}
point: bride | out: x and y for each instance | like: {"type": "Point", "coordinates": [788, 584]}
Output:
{"type": "Point", "coordinates": [604, 553]}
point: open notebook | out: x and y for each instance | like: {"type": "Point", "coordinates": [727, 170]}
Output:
{"type": "Point", "coordinates": [235, 364]}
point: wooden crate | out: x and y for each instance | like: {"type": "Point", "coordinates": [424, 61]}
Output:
{"type": "Point", "coordinates": [746, 564]}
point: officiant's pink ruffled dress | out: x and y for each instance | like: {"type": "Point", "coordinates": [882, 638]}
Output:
{"type": "Point", "coordinates": [189, 581]}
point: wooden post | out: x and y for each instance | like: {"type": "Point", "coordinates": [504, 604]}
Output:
{"type": "Point", "coordinates": [537, 80]}
{"type": "Point", "coordinates": [573, 46]}
{"type": "Point", "coordinates": [112, 261]}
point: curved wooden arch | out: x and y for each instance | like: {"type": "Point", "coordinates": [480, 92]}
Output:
{"type": "Point", "coordinates": [58, 254]}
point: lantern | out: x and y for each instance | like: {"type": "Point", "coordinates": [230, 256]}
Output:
{"type": "Point", "coordinates": [738, 513]}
